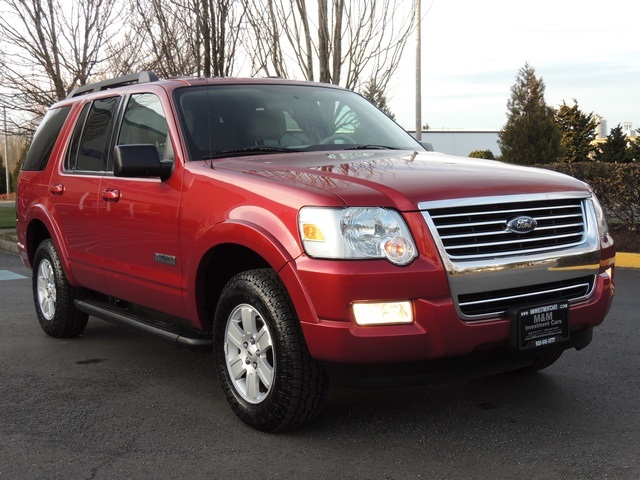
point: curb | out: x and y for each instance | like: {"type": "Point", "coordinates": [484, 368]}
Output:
{"type": "Point", "coordinates": [627, 260]}
{"type": "Point", "coordinates": [8, 246]}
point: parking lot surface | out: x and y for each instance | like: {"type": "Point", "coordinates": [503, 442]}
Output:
{"type": "Point", "coordinates": [112, 404]}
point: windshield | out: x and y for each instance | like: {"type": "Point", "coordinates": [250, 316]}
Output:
{"type": "Point", "coordinates": [228, 120]}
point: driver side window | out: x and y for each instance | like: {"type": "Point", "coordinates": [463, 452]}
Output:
{"type": "Point", "coordinates": [144, 123]}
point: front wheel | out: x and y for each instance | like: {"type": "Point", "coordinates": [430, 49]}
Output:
{"type": "Point", "coordinates": [53, 296]}
{"type": "Point", "coordinates": [267, 374]}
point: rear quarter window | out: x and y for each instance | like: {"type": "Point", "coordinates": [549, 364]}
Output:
{"type": "Point", "coordinates": [45, 138]}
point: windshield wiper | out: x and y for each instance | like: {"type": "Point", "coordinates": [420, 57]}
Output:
{"type": "Point", "coordinates": [258, 150]}
{"type": "Point", "coordinates": [370, 147]}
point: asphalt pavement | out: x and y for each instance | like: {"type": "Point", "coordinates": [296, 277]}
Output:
{"type": "Point", "coordinates": [115, 405]}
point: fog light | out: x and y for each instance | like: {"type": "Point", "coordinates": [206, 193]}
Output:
{"type": "Point", "coordinates": [387, 313]}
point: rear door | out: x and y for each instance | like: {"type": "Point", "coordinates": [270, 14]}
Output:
{"type": "Point", "coordinates": [75, 189]}
{"type": "Point", "coordinates": [139, 216]}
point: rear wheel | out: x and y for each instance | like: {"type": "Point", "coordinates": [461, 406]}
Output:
{"type": "Point", "coordinates": [267, 374]}
{"type": "Point", "coordinates": [53, 296]}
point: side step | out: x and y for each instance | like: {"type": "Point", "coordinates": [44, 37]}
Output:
{"type": "Point", "coordinates": [159, 330]}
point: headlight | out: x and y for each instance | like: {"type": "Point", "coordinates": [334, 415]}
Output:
{"type": "Point", "coordinates": [603, 227]}
{"type": "Point", "coordinates": [359, 232]}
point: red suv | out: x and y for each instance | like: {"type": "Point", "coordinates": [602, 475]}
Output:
{"type": "Point", "coordinates": [301, 235]}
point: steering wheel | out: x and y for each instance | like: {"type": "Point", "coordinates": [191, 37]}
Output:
{"type": "Point", "coordinates": [337, 136]}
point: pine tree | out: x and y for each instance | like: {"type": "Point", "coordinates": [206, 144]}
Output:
{"type": "Point", "coordinates": [614, 150]}
{"type": "Point", "coordinates": [376, 96]}
{"type": "Point", "coordinates": [3, 177]}
{"type": "Point", "coordinates": [578, 131]}
{"type": "Point", "coordinates": [634, 149]}
{"type": "Point", "coordinates": [530, 135]}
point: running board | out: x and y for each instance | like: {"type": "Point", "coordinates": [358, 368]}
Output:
{"type": "Point", "coordinates": [160, 331]}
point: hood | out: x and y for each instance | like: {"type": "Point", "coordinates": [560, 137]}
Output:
{"type": "Point", "coordinates": [401, 179]}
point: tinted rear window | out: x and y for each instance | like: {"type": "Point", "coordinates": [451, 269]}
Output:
{"type": "Point", "coordinates": [45, 138]}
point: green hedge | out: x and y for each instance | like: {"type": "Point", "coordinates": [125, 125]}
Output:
{"type": "Point", "coordinates": [617, 186]}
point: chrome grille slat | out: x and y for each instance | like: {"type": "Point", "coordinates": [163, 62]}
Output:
{"type": "Point", "coordinates": [524, 297]}
{"type": "Point", "coordinates": [468, 235]}
{"type": "Point", "coordinates": [498, 211]}
{"type": "Point", "coordinates": [508, 242]}
{"type": "Point", "coordinates": [497, 302]}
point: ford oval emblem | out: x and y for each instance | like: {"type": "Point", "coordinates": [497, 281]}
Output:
{"type": "Point", "coordinates": [522, 224]}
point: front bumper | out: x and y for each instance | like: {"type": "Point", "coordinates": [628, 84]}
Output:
{"type": "Point", "coordinates": [438, 331]}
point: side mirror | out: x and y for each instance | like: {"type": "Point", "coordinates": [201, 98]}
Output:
{"type": "Point", "coordinates": [427, 146]}
{"type": "Point", "coordinates": [140, 161]}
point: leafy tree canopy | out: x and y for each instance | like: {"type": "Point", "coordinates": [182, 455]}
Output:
{"type": "Point", "coordinates": [488, 154]}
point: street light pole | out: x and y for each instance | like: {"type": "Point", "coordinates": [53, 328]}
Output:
{"type": "Point", "coordinates": [6, 150]}
{"type": "Point", "coordinates": [418, 73]}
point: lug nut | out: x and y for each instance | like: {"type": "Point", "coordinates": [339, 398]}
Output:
{"type": "Point", "coordinates": [247, 361]}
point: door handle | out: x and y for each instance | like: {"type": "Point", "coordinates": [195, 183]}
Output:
{"type": "Point", "coordinates": [111, 195]}
{"type": "Point", "coordinates": [57, 189]}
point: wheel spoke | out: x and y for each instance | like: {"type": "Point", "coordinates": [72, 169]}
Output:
{"type": "Point", "coordinates": [249, 320]}
{"type": "Point", "coordinates": [263, 339]}
{"type": "Point", "coordinates": [236, 367]}
{"type": "Point", "coordinates": [253, 385]}
{"type": "Point", "coordinates": [265, 372]}
{"type": "Point", "coordinates": [235, 334]}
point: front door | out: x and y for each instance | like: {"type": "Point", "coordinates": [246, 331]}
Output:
{"type": "Point", "coordinates": [139, 218]}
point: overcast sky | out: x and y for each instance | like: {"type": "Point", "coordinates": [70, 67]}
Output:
{"type": "Point", "coordinates": [472, 51]}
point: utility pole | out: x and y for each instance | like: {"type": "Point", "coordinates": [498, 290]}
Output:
{"type": "Point", "coordinates": [418, 73]}
{"type": "Point", "coordinates": [6, 150]}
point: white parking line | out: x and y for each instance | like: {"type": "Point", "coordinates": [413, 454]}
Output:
{"type": "Point", "coordinates": [9, 275]}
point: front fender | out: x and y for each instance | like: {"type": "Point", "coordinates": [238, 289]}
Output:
{"type": "Point", "coordinates": [264, 234]}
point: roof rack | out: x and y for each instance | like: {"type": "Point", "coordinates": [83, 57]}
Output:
{"type": "Point", "coordinates": [142, 77]}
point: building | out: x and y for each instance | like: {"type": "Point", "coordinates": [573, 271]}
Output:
{"type": "Point", "coordinates": [461, 142]}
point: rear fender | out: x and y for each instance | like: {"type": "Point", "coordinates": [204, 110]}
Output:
{"type": "Point", "coordinates": [38, 213]}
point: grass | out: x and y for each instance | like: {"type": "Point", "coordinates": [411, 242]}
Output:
{"type": "Point", "coordinates": [7, 217]}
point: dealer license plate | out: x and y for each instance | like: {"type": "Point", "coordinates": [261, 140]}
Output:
{"type": "Point", "coordinates": [540, 325]}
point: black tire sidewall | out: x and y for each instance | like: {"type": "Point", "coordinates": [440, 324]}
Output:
{"type": "Point", "coordinates": [67, 321]}
{"type": "Point", "coordinates": [272, 412]}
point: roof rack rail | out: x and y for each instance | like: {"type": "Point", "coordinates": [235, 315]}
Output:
{"type": "Point", "coordinates": [142, 77]}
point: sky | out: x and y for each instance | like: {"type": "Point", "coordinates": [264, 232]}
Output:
{"type": "Point", "coordinates": [472, 50]}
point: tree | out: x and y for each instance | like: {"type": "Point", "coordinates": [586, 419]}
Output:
{"type": "Point", "coordinates": [184, 37]}
{"type": "Point", "coordinates": [344, 43]}
{"type": "Point", "coordinates": [378, 98]}
{"type": "Point", "coordinates": [16, 169]}
{"type": "Point", "coordinates": [530, 134]}
{"type": "Point", "coordinates": [578, 132]}
{"type": "Point", "coordinates": [614, 149]}
{"type": "Point", "coordinates": [3, 177]}
{"type": "Point", "coordinates": [486, 154]}
{"type": "Point", "coordinates": [51, 47]}
{"type": "Point", "coordinates": [633, 150]}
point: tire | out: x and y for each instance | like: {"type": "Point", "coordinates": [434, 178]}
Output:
{"type": "Point", "coordinates": [53, 296]}
{"type": "Point", "coordinates": [541, 362]}
{"type": "Point", "coordinates": [265, 369]}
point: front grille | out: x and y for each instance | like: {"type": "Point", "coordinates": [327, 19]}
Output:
{"type": "Point", "coordinates": [497, 302]}
{"type": "Point", "coordinates": [479, 230]}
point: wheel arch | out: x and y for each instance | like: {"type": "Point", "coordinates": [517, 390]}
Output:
{"type": "Point", "coordinates": [235, 246]}
{"type": "Point", "coordinates": [39, 229]}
